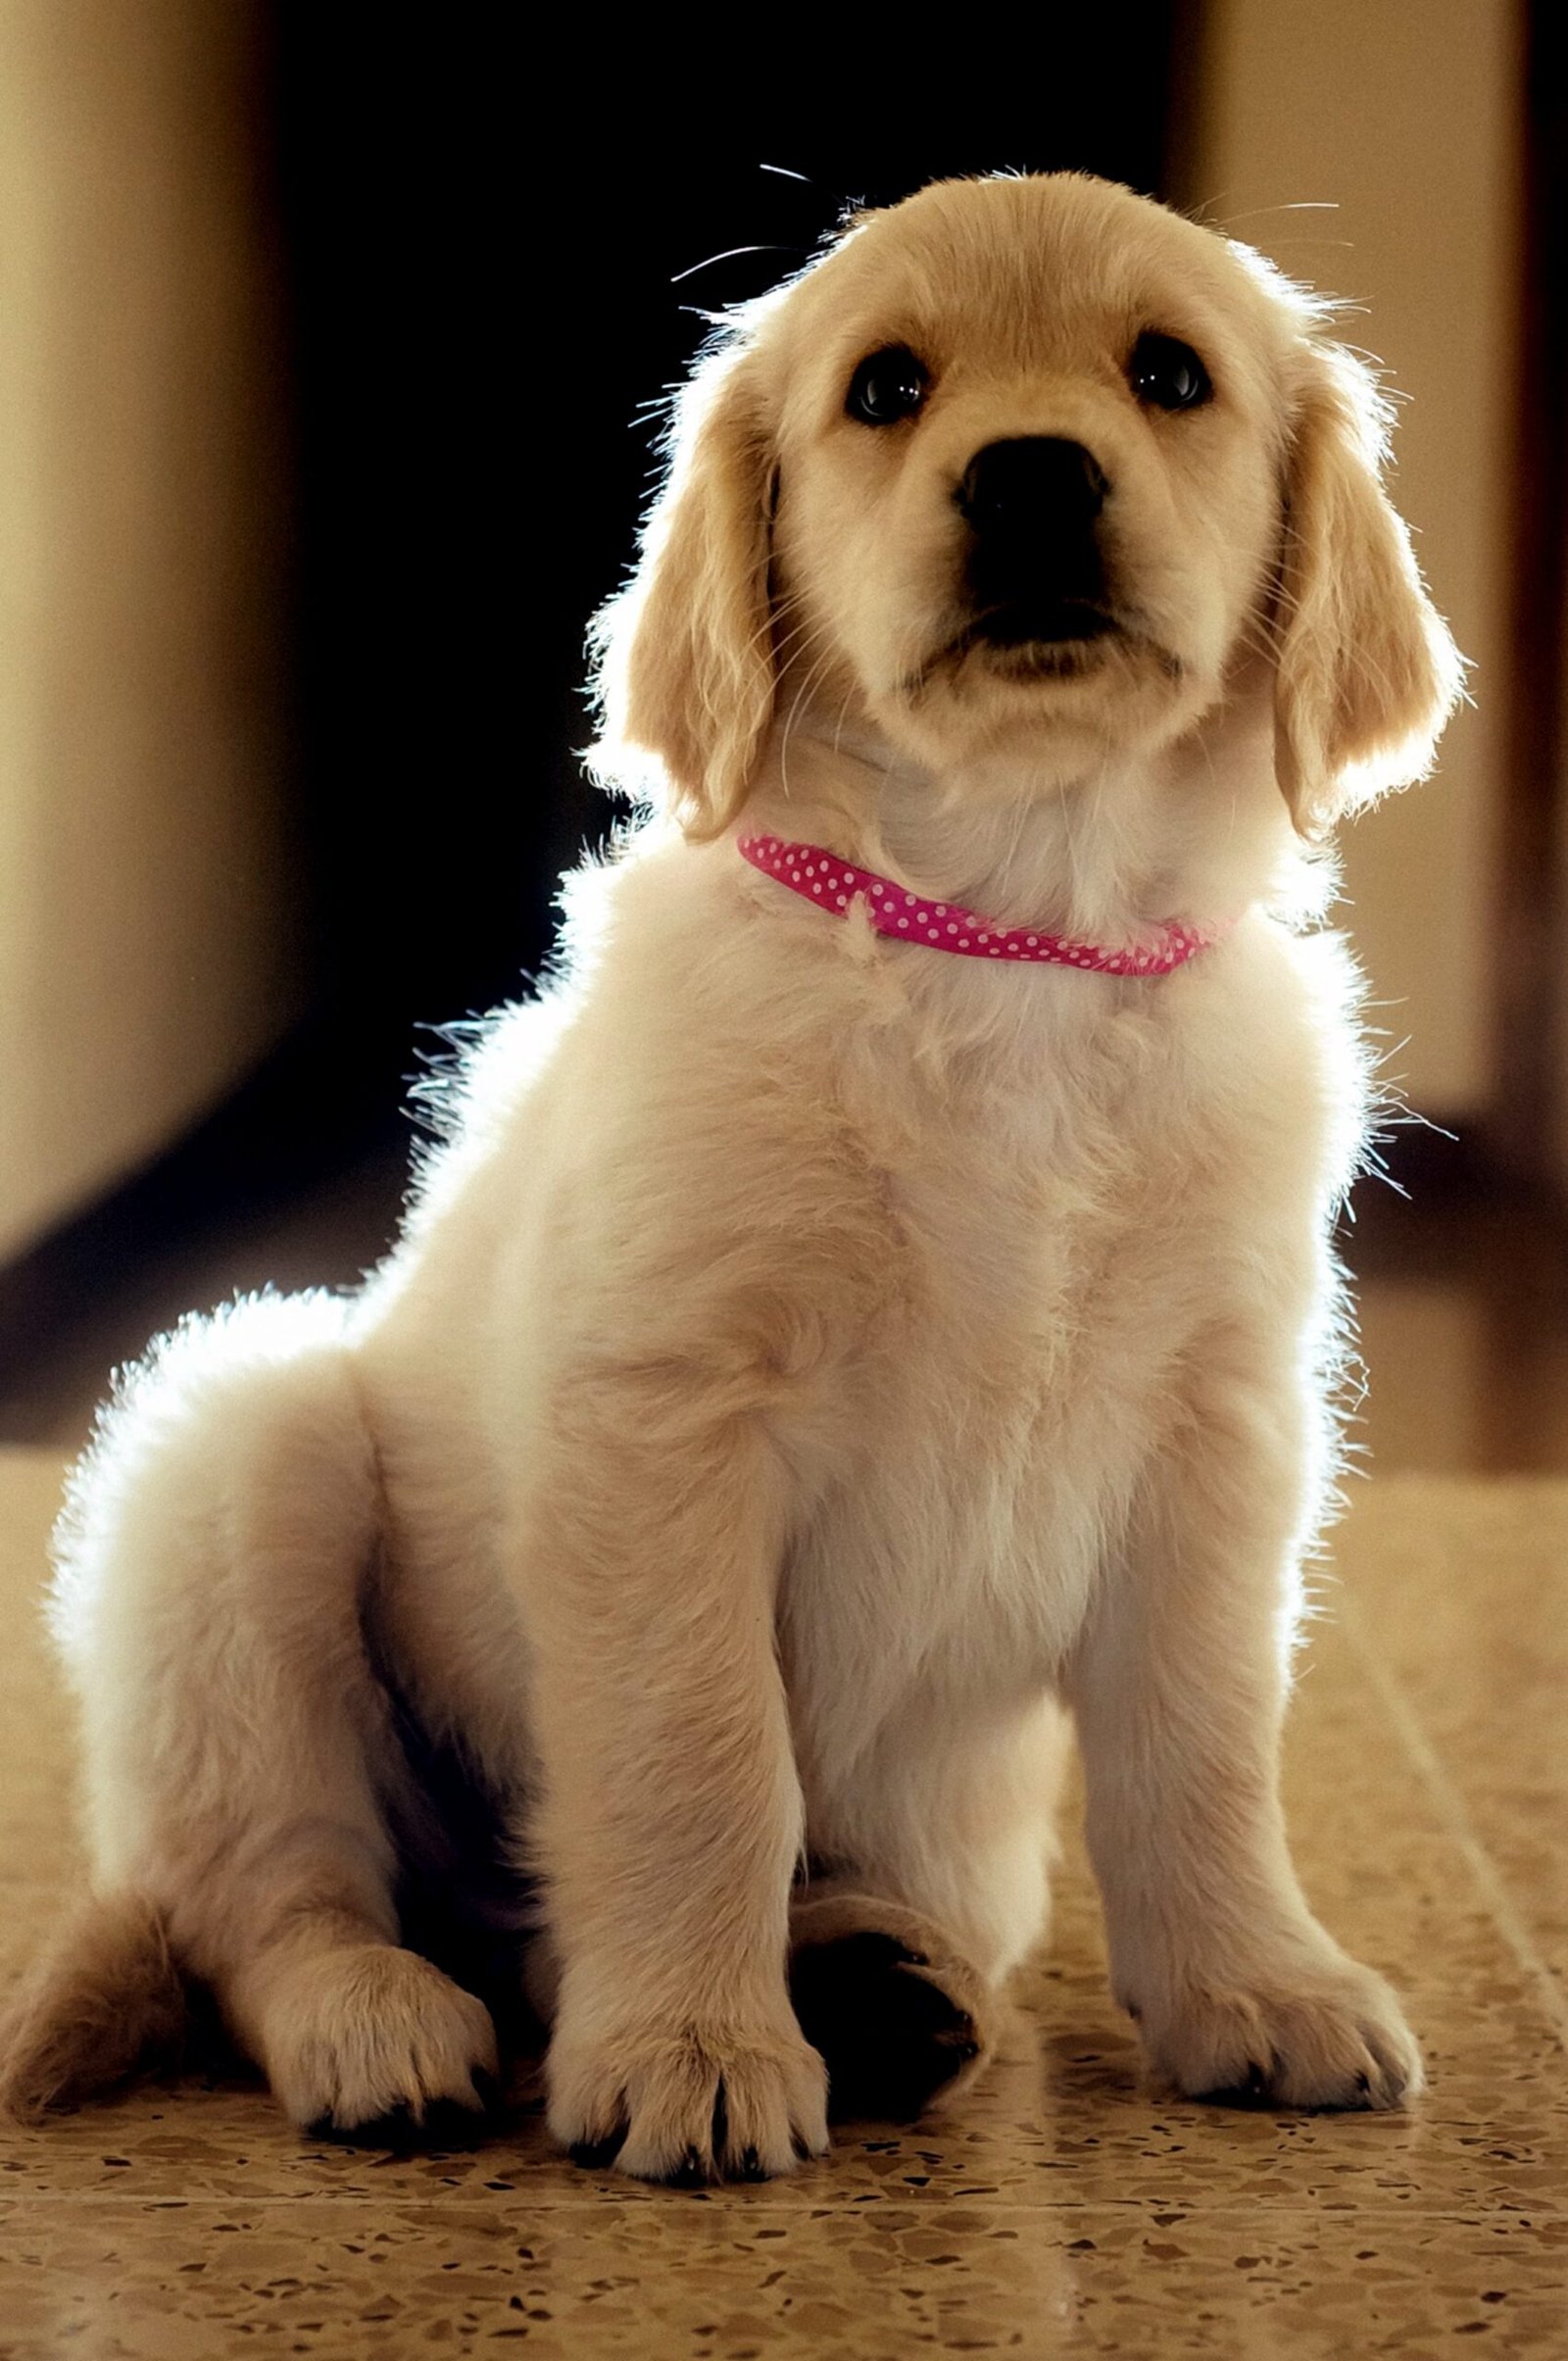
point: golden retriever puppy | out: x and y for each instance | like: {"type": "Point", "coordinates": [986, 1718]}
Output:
{"type": "Point", "coordinates": [876, 1302]}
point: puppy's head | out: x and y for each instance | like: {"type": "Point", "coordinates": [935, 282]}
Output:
{"type": "Point", "coordinates": [1026, 472]}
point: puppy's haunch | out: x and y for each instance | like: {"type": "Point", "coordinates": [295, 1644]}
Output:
{"type": "Point", "coordinates": [817, 1365]}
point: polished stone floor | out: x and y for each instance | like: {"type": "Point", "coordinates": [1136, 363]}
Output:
{"type": "Point", "coordinates": [1063, 2211]}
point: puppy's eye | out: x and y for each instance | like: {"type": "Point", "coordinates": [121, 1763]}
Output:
{"type": "Point", "coordinates": [1167, 374]}
{"type": "Point", "coordinates": [887, 386]}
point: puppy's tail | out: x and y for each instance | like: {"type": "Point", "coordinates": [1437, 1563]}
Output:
{"type": "Point", "coordinates": [105, 1998]}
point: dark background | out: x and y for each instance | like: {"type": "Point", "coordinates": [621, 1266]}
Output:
{"type": "Point", "coordinates": [485, 314]}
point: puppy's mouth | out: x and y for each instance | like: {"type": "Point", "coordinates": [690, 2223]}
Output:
{"type": "Point", "coordinates": [1047, 636]}
{"type": "Point", "coordinates": [1036, 638]}
{"type": "Point", "coordinates": [1039, 623]}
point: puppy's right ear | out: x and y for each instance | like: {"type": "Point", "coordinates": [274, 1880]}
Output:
{"type": "Point", "coordinates": [685, 653]}
{"type": "Point", "coordinates": [1367, 672]}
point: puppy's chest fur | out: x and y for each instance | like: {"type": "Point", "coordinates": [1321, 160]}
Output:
{"type": "Point", "coordinates": [1041, 1172]}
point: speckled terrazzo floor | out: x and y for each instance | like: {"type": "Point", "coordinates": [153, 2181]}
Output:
{"type": "Point", "coordinates": [1061, 2211]}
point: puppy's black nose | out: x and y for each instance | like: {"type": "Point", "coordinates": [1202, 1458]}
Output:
{"type": "Point", "coordinates": [1035, 567]}
{"type": "Point", "coordinates": [1034, 487]}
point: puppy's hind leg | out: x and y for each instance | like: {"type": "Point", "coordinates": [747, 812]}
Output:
{"type": "Point", "coordinates": [213, 1564]}
{"type": "Point", "coordinates": [939, 1888]}
{"type": "Point", "coordinates": [103, 1999]}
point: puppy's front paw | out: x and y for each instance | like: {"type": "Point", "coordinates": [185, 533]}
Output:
{"type": "Point", "coordinates": [1325, 2033]}
{"type": "Point", "coordinates": [373, 2043]}
{"type": "Point", "coordinates": [689, 2102]}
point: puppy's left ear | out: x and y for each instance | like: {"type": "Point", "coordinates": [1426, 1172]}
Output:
{"type": "Point", "coordinates": [686, 656]}
{"type": "Point", "coordinates": [1367, 671]}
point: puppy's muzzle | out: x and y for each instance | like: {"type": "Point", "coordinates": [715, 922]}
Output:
{"type": "Point", "coordinates": [1036, 569]}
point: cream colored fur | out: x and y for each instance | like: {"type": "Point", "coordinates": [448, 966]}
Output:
{"type": "Point", "coordinates": [813, 1363]}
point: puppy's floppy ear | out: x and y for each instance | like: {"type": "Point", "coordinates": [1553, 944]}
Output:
{"type": "Point", "coordinates": [686, 669]}
{"type": "Point", "coordinates": [1366, 671]}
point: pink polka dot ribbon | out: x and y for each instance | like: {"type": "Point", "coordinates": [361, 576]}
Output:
{"type": "Point", "coordinates": [834, 884]}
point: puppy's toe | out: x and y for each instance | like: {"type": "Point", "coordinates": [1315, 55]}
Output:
{"type": "Point", "coordinates": [898, 2018]}
{"type": "Point", "coordinates": [690, 2105]}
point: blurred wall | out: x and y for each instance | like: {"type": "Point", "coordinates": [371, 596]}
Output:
{"type": "Point", "coordinates": [146, 892]}
{"type": "Point", "coordinates": [1405, 117]}
{"type": "Point", "coordinates": [1557, 1142]}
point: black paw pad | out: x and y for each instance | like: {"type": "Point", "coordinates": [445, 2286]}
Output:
{"type": "Point", "coordinates": [598, 2155]}
{"type": "Point", "coordinates": [443, 2126]}
{"type": "Point", "coordinates": [1255, 2095]}
{"type": "Point", "coordinates": [690, 2172]}
{"type": "Point", "coordinates": [889, 2036]}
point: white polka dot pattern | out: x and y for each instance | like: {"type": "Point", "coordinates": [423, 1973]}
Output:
{"type": "Point", "coordinates": [833, 884]}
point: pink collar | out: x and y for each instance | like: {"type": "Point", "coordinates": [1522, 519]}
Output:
{"type": "Point", "coordinates": [833, 884]}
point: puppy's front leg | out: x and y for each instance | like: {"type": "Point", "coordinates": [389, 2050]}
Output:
{"type": "Point", "coordinates": [1179, 1689]}
{"type": "Point", "coordinates": [671, 1817]}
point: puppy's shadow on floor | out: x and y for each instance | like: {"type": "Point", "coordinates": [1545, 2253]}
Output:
{"type": "Point", "coordinates": [1083, 2081]}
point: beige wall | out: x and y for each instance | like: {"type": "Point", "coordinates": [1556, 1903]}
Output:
{"type": "Point", "coordinates": [1403, 114]}
{"type": "Point", "coordinates": [145, 949]}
